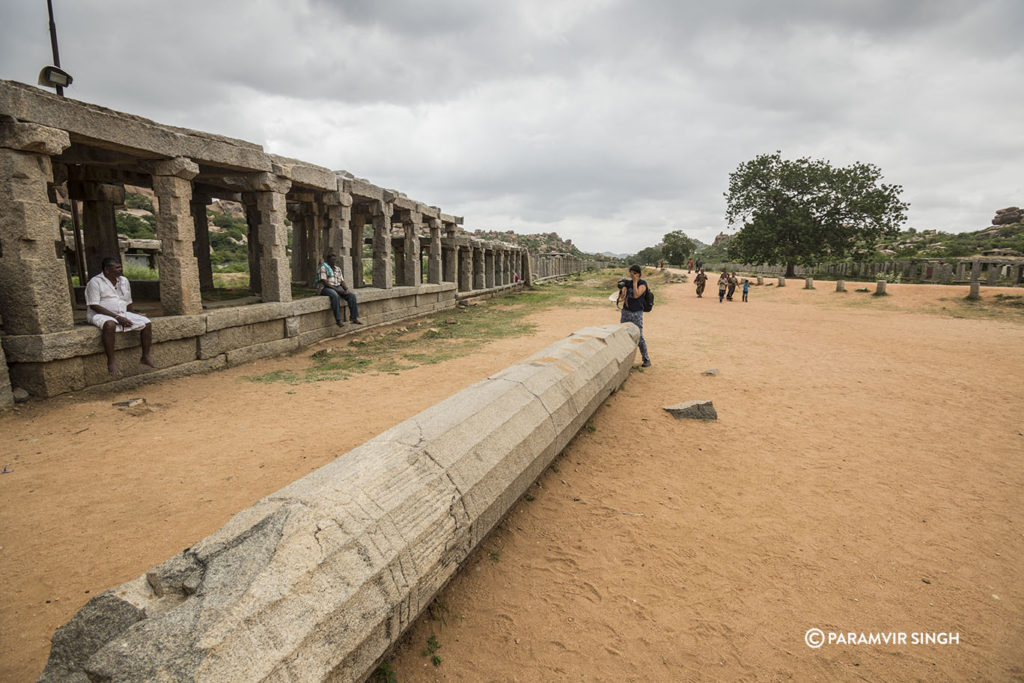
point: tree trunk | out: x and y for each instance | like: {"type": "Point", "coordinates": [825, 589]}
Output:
{"type": "Point", "coordinates": [790, 270]}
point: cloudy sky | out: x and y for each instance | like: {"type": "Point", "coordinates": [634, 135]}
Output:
{"type": "Point", "coordinates": [610, 122]}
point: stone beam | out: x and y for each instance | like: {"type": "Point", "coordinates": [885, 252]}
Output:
{"type": "Point", "coordinates": [115, 130]}
{"type": "Point", "coordinates": [318, 580]}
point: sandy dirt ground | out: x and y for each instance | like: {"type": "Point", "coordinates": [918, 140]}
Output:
{"type": "Point", "coordinates": [865, 475]}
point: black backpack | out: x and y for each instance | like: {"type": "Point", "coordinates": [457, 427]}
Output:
{"type": "Point", "coordinates": [648, 301]}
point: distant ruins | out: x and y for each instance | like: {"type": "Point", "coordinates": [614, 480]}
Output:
{"type": "Point", "coordinates": [421, 259]}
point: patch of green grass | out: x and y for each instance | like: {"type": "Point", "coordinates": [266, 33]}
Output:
{"type": "Point", "coordinates": [384, 674]}
{"type": "Point", "coordinates": [431, 650]}
{"type": "Point", "coordinates": [528, 498]}
{"type": "Point", "coordinates": [434, 339]}
{"type": "Point", "coordinates": [494, 556]}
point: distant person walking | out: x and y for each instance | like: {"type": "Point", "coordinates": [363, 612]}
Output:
{"type": "Point", "coordinates": [723, 284]}
{"type": "Point", "coordinates": [701, 280]}
{"type": "Point", "coordinates": [633, 307]}
{"type": "Point", "coordinates": [689, 266]}
{"type": "Point", "coordinates": [732, 286]}
{"type": "Point", "coordinates": [746, 289]}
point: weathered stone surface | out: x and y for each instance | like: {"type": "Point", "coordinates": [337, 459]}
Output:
{"type": "Point", "coordinates": [49, 379]}
{"type": "Point", "coordinates": [317, 580]}
{"type": "Point", "coordinates": [31, 137]}
{"type": "Point", "coordinates": [710, 372]}
{"type": "Point", "coordinates": [19, 395]}
{"type": "Point", "coordinates": [6, 393]}
{"type": "Point", "coordinates": [696, 410]}
{"type": "Point", "coordinates": [1011, 214]}
{"type": "Point", "coordinates": [28, 103]}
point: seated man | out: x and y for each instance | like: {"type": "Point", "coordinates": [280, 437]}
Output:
{"type": "Point", "coordinates": [108, 300]}
{"type": "Point", "coordinates": [330, 284]}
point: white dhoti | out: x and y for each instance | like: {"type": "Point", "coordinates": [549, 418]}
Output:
{"type": "Point", "coordinates": [137, 321]}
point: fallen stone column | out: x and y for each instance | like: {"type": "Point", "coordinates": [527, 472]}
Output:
{"type": "Point", "coordinates": [317, 580]}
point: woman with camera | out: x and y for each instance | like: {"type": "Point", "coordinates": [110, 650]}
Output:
{"type": "Point", "coordinates": [633, 289]}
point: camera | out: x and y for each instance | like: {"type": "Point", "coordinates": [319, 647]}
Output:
{"type": "Point", "coordinates": [623, 283]}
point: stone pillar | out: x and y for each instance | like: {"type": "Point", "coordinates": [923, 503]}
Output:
{"type": "Point", "coordinates": [450, 257]}
{"type": "Point", "coordinates": [434, 264]}
{"type": "Point", "coordinates": [760, 279]}
{"type": "Point", "coordinates": [809, 283]}
{"type": "Point", "coordinates": [358, 223]}
{"type": "Point", "coordinates": [252, 219]}
{"type": "Point", "coordinates": [99, 226]}
{"type": "Point", "coordinates": [880, 288]}
{"type": "Point", "coordinates": [527, 266]}
{"type": "Point", "coordinates": [465, 268]}
{"type": "Point", "coordinates": [33, 280]}
{"type": "Point", "coordinates": [179, 270]}
{"type": "Point", "coordinates": [840, 285]}
{"type": "Point", "coordinates": [993, 273]}
{"type": "Point", "coordinates": [782, 282]}
{"type": "Point", "coordinates": [270, 202]}
{"type": "Point", "coordinates": [479, 281]}
{"type": "Point", "coordinates": [411, 261]}
{"type": "Point", "coordinates": [959, 270]}
{"type": "Point", "coordinates": [488, 268]}
{"type": "Point", "coordinates": [201, 247]}
{"type": "Point", "coordinates": [383, 273]}
{"type": "Point", "coordinates": [975, 292]}
{"type": "Point", "coordinates": [339, 235]}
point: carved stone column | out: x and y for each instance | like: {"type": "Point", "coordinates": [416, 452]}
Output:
{"type": "Point", "coordinates": [339, 235]}
{"type": "Point", "coordinates": [478, 267]}
{"type": "Point", "coordinates": [179, 270]}
{"type": "Point", "coordinates": [527, 268]}
{"type": "Point", "coordinates": [488, 267]}
{"type": "Point", "coordinates": [33, 280]}
{"type": "Point", "coordinates": [411, 275]}
{"type": "Point", "coordinates": [383, 276]}
{"type": "Point", "coordinates": [201, 247]}
{"type": "Point", "coordinates": [466, 254]}
{"type": "Point", "coordinates": [99, 225]}
{"type": "Point", "coordinates": [450, 255]}
{"type": "Point", "coordinates": [269, 199]}
{"type": "Point", "coordinates": [434, 263]}
{"type": "Point", "coordinates": [358, 222]}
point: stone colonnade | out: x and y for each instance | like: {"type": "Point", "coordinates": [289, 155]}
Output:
{"type": "Point", "coordinates": [558, 265]}
{"type": "Point", "coordinates": [991, 270]}
{"type": "Point", "coordinates": [389, 246]}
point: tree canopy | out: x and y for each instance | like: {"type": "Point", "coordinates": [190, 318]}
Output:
{"type": "Point", "coordinates": [677, 247]}
{"type": "Point", "coordinates": [806, 211]}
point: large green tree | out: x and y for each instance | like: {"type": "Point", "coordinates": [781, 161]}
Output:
{"type": "Point", "coordinates": [677, 247]}
{"type": "Point", "coordinates": [806, 211]}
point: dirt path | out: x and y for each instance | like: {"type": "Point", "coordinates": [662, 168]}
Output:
{"type": "Point", "coordinates": [866, 474]}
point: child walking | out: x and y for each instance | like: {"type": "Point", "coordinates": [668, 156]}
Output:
{"type": "Point", "coordinates": [746, 288]}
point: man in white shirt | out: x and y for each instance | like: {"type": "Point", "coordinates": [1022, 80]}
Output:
{"type": "Point", "coordinates": [108, 300]}
{"type": "Point", "coordinates": [330, 284]}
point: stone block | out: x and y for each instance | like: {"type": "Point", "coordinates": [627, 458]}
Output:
{"type": "Point", "coordinates": [35, 305]}
{"type": "Point", "coordinates": [31, 137]}
{"type": "Point", "coordinates": [129, 349]}
{"type": "Point", "coordinates": [291, 326]}
{"type": "Point", "coordinates": [695, 410]}
{"type": "Point", "coordinates": [236, 316]}
{"type": "Point", "coordinates": [326, 573]}
{"type": "Point", "coordinates": [237, 356]}
{"type": "Point", "coordinates": [228, 339]}
{"type": "Point", "coordinates": [49, 379]}
{"type": "Point", "coordinates": [178, 327]}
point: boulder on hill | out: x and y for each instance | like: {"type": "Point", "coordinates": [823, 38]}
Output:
{"type": "Point", "coordinates": [1011, 214]}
